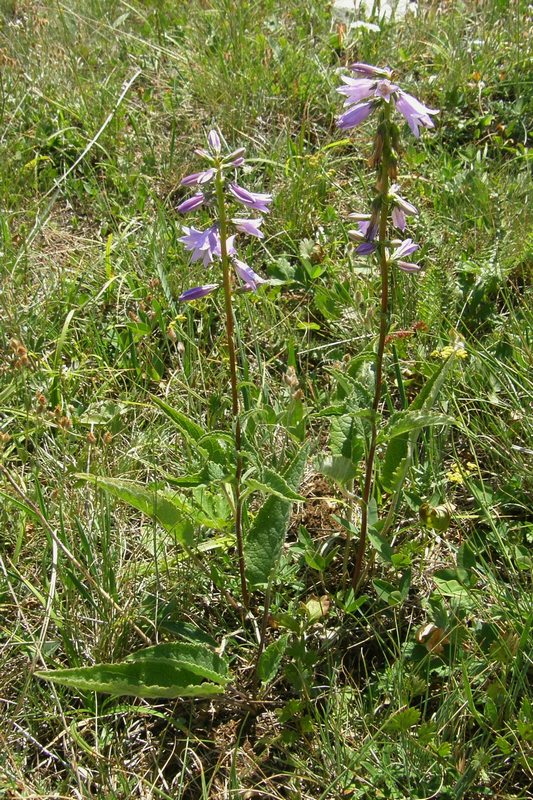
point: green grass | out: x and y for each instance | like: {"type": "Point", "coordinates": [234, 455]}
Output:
{"type": "Point", "coordinates": [91, 330]}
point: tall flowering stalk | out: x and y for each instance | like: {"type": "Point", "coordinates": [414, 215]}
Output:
{"type": "Point", "coordinates": [372, 91]}
{"type": "Point", "coordinates": [216, 242]}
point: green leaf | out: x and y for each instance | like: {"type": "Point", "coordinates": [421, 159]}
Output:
{"type": "Point", "coordinates": [192, 657]}
{"type": "Point", "coordinates": [190, 429]}
{"type": "Point", "coordinates": [338, 468]}
{"type": "Point", "coordinates": [406, 421]}
{"type": "Point", "coordinates": [381, 545]}
{"type": "Point", "coordinates": [346, 437]}
{"type": "Point", "coordinates": [268, 665]}
{"type": "Point", "coordinates": [145, 677]}
{"type": "Point", "coordinates": [149, 499]}
{"type": "Point", "coordinates": [265, 539]}
{"type": "Point", "coordinates": [402, 720]}
{"type": "Point", "coordinates": [394, 462]}
{"type": "Point", "coordinates": [272, 483]}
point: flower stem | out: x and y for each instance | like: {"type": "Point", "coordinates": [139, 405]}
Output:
{"type": "Point", "coordinates": [383, 188]}
{"type": "Point", "coordinates": [230, 335]}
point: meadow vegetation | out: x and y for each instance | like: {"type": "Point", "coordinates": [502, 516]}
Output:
{"type": "Point", "coordinates": [415, 685]}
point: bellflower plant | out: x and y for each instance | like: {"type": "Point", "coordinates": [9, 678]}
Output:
{"type": "Point", "coordinates": [216, 191]}
{"type": "Point", "coordinates": [371, 91]}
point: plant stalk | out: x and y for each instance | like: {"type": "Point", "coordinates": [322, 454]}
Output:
{"type": "Point", "coordinates": [383, 187]}
{"type": "Point", "coordinates": [230, 335]}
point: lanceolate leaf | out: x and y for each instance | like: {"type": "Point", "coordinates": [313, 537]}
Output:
{"type": "Point", "coordinates": [190, 429]}
{"type": "Point", "coordinates": [149, 499]}
{"type": "Point", "coordinates": [190, 656]}
{"type": "Point", "coordinates": [401, 446]}
{"type": "Point", "coordinates": [272, 483]}
{"type": "Point", "coordinates": [266, 536]}
{"type": "Point", "coordinates": [412, 420]}
{"type": "Point", "coordinates": [154, 677]}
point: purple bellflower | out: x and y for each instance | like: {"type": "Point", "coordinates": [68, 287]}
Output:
{"type": "Point", "coordinates": [374, 87]}
{"type": "Point", "coordinates": [255, 200]}
{"type": "Point", "coordinates": [191, 204]}
{"type": "Point", "coordinates": [249, 226]}
{"type": "Point", "coordinates": [198, 178]}
{"type": "Point", "coordinates": [198, 292]}
{"type": "Point", "coordinates": [205, 245]}
{"type": "Point", "coordinates": [406, 248]}
{"type": "Point", "coordinates": [250, 278]}
{"type": "Point", "coordinates": [401, 208]}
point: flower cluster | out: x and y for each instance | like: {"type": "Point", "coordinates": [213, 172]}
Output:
{"type": "Point", "coordinates": [205, 245]}
{"type": "Point", "coordinates": [364, 94]}
{"type": "Point", "coordinates": [373, 85]}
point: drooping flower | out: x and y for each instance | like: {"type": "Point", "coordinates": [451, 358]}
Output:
{"type": "Point", "coordinates": [367, 69]}
{"type": "Point", "coordinates": [250, 278]}
{"type": "Point", "coordinates": [355, 116]}
{"type": "Point", "coordinates": [255, 200]}
{"type": "Point", "coordinates": [400, 208]}
{"type": "Point", "coordinates": [191, 203]}
{"type": "Point", "coordinates": [377, 86]}
{"type": "Point", "coordinates": [198, 177]}
{"type": "Point", "coordinates": [406, 248]}
{"type": "Point", "coordinates": [249, 226]}
{"type": "Point", "coordinates": [205, 244]}
{"type": "Point", "coordinates": [415, 112]}
{"type": "Point", "coordinates": [197, 292]}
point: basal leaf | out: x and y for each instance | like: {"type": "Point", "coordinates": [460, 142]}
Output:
{"type": "Point", "coordinates": [192, 657]}
{"type": "Point", "coordinates": [147, 677]}
{"type": "Point", "coordinates": [265, 539]}
{"type": "Point", "coordinates": [151, 500]}
{"type": "Point", "coordinates": [268, 666]}
{"type": "Point", "coordinates": [412, 420]}
{"type": "Point", "coordinates": [272, 483]}
{"type": "Point", "coordinates": [190, 429]}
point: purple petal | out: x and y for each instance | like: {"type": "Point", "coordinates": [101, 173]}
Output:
{"type": "Point", "coordinates": [255, 200]}
{"type": "Point", "coordinates": [357, 89]}
{"type": "Point", "coordinates": [405, 249]}
{"type": "Point", "coordinates": [198, 177]}
{"type": "Point", "coordinates": [367, 69]}
{"type": "Point", "coordinates": [415, 113]}
{"type": "Point", "coordinates": [230, 248]}
{"type": "Point", "coordinates": [214, 141]}
{"type": "Point", "coordinates": [250, 278]}
{"type": "Point", "coordinates": [405, 266]}
{"type": "Point", "coordinates": [365, 249]}
{"type": "Point", "coordinates": [189, 205]}
{"type": "Point", "coordinates": [249, 226]}
{"type": "Point", "coordinates": [355, 116]}
{"type": "Point", "coordinates": [398, 218]}
{"type": "Point", "coordinates": [237, 162]}
{"type": "Point", "coordinates": [197, 292]}
{"type": "Point", "coordinates": [191, 180]}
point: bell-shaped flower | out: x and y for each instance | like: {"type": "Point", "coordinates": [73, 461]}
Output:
{"type": "Point", "coordinates": [406, 248]}
{"type": "Point", "coordinates": [401, 208]}
{"type": "Point", "coordinates": [203, 245]}
{"type": "Point", "coordinates": [191, 204]}
{"type": "Point", "coordinates": [198, 178]}
{"type": "Point", "coordinates": [249, 226]}
{"type": "Point", "coordinates": [250, 278]}
{"type": "Point", "coordinates": [415, 112]}
{"type": "Point", "coordinates": [197, 292]}
{"type": "Point", "coordinates": [255, 200]}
